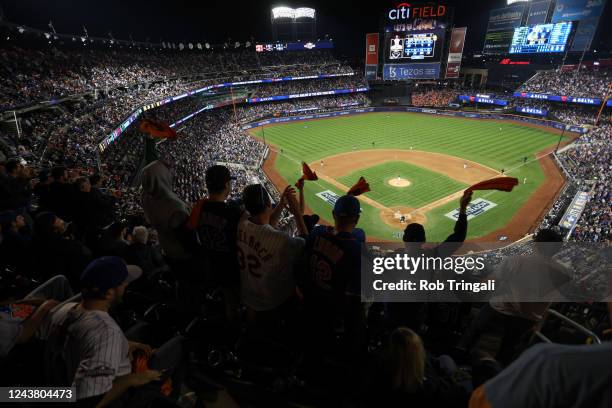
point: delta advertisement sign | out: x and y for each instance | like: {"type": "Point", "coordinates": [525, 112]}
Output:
{"type": "Point", "coordinates": [562, 98]}
{"type": "Point", "coordinates": [531, 111]}
{"type": "Point", "coordinates": [405, 11]}
{"type": "Point", "coordinates": [481, 98]}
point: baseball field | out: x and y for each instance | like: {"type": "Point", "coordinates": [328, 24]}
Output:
{"type": "Point", "coordinates": [417, 166]}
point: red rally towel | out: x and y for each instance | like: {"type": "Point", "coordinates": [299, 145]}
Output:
{"type": "Point", "coordinates": [157, 128]}
{"type": "Point", "coordinates": [498, 183]}
{"type": "Point", "coordinates": [359, 188]}
{"type": "Point", "coordinates": [307, 174]}
{"type": "Point", "coordinates": [194, 217]}
{"type": "Point", "coordinates": [141, 364]}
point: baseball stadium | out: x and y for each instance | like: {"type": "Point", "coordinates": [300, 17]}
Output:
{"type": "Point", "coordinates": [314, 204]}
{"type": "Point", "coordinates": [417, 166]}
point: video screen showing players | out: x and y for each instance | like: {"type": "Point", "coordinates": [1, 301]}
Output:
{"type": "Point", "coordinates": [413, 46]}
{"type": "Point", "coordinates": [541, 38]}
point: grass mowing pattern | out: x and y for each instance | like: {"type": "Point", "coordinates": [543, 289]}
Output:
{"type": "Point", "coordinates": [427, 186]}
{"type": "Point", "coordinates": [481, 141]}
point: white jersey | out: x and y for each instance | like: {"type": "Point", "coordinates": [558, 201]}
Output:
{"type": "Point", "coordinates": [91, 345]}
{"type": "Point", "coordinates": [266, 256]}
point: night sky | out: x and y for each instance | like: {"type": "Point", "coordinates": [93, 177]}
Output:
{"type": "Point", "coordinates": [215, 21]}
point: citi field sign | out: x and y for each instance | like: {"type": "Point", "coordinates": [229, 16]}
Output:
{"type": "Point", "coordinates": [405, 11]}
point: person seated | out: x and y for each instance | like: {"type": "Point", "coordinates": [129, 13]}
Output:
{"type": "Point", "coordinates": [529, 281]}
{"type": "Point", "coordinates": [59, 198]}
{"type": "Point", "coordinates": [142, 254]}
{"type": "Point", "coordinates": [404, 375]}
{"type": "Point", "coordinates": [113, 241]}
{"type": "Point", "coordinates": [15, 241]}
{"type": "Point", "coordinates": [55, 251]}
{"type": "Point", "coordinates": [21, 319]}
{"type": "Point", "coordinates": [86, 349]}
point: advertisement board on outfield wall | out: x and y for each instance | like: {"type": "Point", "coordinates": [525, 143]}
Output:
{"type": "Point", "coordinates": [561, 98]}
{"type": "Point", "coordinates": [531, 111]}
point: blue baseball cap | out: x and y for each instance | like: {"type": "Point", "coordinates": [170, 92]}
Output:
{"type": "Point", "coordinates": [108, 272]}
{"type": "Point", "coordinates": [347, 206]}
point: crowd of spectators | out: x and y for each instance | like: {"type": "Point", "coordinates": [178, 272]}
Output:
{"type": "Point", "coordinates": [439, 98]}
{"type": "Point", "coordinates": [589, 163]}
{"type": "Point", "coordinates": [586, 83]}
{"type": "Point", "coordinates": [28, 76]}
{"type": "Point", "coordinates": [304, 86]}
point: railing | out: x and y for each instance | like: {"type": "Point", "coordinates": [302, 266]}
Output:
{"type": "Point", "coordinates": [570, 322]}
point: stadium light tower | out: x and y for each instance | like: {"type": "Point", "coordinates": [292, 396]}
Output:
{"type": "Point", "coordinates": [289, 24]}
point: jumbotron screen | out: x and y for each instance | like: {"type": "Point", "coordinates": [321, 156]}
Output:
{"type": "Point", "coordinates": [414, 46]}
{"type": "Point", "coordinates": [541, 38]}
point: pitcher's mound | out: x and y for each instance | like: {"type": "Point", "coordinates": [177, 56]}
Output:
{"type": "Point", "coordinates": [399, 217]}
{"type": "Point", "coordinates": [398, 182]}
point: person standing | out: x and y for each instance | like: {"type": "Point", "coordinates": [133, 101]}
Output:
{"type": "Point", "coordinates": [266, 255]}
{"type": "Point", "coordinates": [332, 280]}
{"type": "Point", "coordinates": [215, 223]}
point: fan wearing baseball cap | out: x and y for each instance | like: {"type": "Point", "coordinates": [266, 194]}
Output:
{"type": "Point", "coordinates": [331, 285]}
{"type": "Point", "coordinates": [215, 222]}
{"type": "Point", "coordinates": [87, 342]}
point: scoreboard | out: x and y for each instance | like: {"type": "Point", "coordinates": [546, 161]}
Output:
{"type": "Point", "coordinates": [413, 46]}
{"type": "Point", "coordinates": [541, 38]}
{"type": "Point", "coordinates": [413, 40]}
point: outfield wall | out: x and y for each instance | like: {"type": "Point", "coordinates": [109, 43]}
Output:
{"type": "Point", "coordinates": [497, 116]}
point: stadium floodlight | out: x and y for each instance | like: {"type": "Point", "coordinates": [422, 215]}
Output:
{"type": "Point", "coordinates": [288, 12]}
{"type": "Point", "coordinates": [181, 46]}
{"type": "Point", "coordinates": [199, 46]}
{"type": "Point", "coordinates": [516, 1]}
{"type": "Point", "coordinates": [207, 45]}
{"type": "Point", "coordinates": [283, 12]}
{"type": "Point", "coordinates": [304, 12]}
{"type": "Point", "coordinates": [190, 46]}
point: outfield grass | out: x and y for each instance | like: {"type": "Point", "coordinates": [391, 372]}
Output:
{"type": "Point", "coordinates": [427, 186]}
{"type": "Point", "coordinates": [481, 141]}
